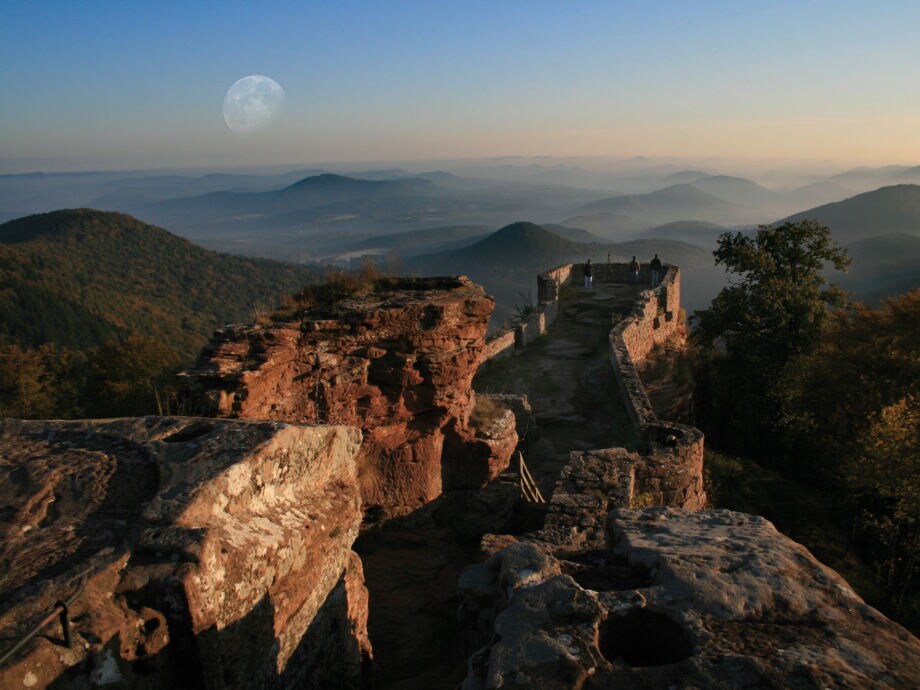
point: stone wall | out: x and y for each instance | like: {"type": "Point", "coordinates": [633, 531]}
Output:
{"type": "Point", "coordinates": [503, 343]}
{"type": "Point", "coordinates": [671, 471]}
{"type": "Point", "coordinates": [653, 319]}
{"type": "Point", "coordinates": [499, 345]}
{"type": "Point", "coordinates": [205, 553]}
{"type": "Point", "coordinates": [673, 474]}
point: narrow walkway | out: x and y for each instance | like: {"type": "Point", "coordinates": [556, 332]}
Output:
{"type": "Point", "coordinates": [567, 376]}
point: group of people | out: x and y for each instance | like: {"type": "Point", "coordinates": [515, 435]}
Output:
{"type": "Point", "coordinates": [654, 268]}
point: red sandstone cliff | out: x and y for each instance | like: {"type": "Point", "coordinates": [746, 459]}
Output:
{"type": "Point", "coordinates": [213, 553]}
{"type": "Point", "coordinates": [397, 362]}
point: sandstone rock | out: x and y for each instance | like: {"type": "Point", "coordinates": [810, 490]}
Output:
{"type": "Point", "coordinates": [204, 552]}
{"type": "Point", "coordinates": [397, 364]}
{"type": "Point", "coordinates": [711, 599]}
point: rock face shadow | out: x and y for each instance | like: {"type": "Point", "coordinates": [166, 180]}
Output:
{"type": "Point", "coordinates": [605, 572]}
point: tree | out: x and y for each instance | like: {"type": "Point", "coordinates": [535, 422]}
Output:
{"type": "Point", "coordinates": [130, 378]}
{"type": "Point", "coordinates": [851, 408]}
{"type": "Point", "coordinates": [775, 311]}
{"type": "Point", "coordinates": [866, 360]}
{"type": "Point", "coordinates": [40, 382]}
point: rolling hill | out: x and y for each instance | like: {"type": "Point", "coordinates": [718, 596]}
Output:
{"type": "Point", "coordinates": [883, 266]}
{"type": "Point", "coordinates": [894, 209]}
{"type": "Point", "coordinates": [309, 193]}
{"type": "Point", "coordinates": [611, 226]}
{"type": "Point", "coordinates": [736, 190]}
{"type": "Point", "coordinates": [695, 232]}
{"type": "Point", "coordinates": [424, 241]}
{"type": "Point", "coordinates": [677, 202]}
{"type": "Point", "coordinates": [83, 277]}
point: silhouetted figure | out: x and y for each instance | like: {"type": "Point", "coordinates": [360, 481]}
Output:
{"type": "Point", "coordinates": [634, 271]}
{"type": "Point", "coordinates": [588, 277]}
{"type": "Point", "coordinates": [655, 266]}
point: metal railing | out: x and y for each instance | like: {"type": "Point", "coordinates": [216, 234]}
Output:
{"type": "Point", "coordinates": [59, 611]}
{"type": "Point", "coordinates": [529, 489]}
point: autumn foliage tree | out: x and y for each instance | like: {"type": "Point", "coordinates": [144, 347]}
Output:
{"type": "Point", "coordinates": [851, 409]}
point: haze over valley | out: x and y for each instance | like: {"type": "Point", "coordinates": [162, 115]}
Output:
{"type": "Point", "coordinates": [423, 220]}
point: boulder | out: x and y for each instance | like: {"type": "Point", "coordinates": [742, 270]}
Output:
{"type": "Point", "coordinates": [198, 552]}
{"type": "Point", "coordinates": [711, 599]}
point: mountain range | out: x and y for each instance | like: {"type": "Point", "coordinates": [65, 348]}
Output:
{"type": "Point", "coordinates": [424, 215]}
{"type": "Point", "coordinates": [894, 209]}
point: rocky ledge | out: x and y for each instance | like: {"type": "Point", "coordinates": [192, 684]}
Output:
{"type": "Point", "coordinates": [711, 599]}
{"type": "Point", "coordinates": [397, 362]}
{"type": "Point", "coordinates": [202, 553]}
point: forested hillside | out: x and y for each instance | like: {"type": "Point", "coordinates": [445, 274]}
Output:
{"type": "Point", "coordinates": [81, 277]}
{"type": "Point", "coordinates": [98, 311]}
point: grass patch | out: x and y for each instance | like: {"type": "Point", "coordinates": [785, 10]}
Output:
{"type": "Point", "coordinates": [485, 412]}
{"type": "Point", "coordinates": [324, 300]}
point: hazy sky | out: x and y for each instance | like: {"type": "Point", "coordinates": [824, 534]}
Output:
{"type": "Point", "coordinates": [122, 84]}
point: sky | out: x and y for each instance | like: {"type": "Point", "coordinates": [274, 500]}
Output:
{"type": "Point", "coordinates": [131, 85]}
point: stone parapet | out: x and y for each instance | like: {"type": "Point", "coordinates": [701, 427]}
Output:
{"type": "Point", "coordinates": [671, 471]}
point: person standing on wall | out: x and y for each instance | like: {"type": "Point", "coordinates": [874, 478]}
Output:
{"type": "Point", "coordinates": [634, 271]}
{"type": "Point", "coordinates": [588, 277]}
{"type": "Point", "coordinates": [655, 267]}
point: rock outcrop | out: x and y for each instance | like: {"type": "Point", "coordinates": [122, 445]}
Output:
{"type": "Point", "coordinates": [204, 553]}
{"type": "Point", "coordinates": [397, 362]}
{"type": "Point", "coordinates": [711, 599]}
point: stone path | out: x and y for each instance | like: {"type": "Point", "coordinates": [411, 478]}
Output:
{"type": "Point", "coordinates": [567, 377]}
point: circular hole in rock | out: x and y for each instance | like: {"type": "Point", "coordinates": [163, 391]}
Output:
{"type": "Point", "coordinates": [644, 638]}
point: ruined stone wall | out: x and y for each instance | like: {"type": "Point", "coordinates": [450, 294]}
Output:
{"type": "Point", "coordinates": [653, 319]}
{"type": "Point", "coordinates": [673, 474]}
{"type": "Point", "coordinates": [503, 343]}
{"type": "Point", "coordinates": [204, 553]}
{"type": "Point", "coordinates": [672, 471]}
{"type": "Point", "coordinates": [499, 345]}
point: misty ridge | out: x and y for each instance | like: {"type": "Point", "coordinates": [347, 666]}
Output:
{"type": "Point", "coordinates": [469, 216]}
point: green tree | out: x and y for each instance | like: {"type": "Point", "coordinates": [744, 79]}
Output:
{"type": "Point", "coordinates": [132, 377]}
{"type": "Point", "coordinates": [887, 471]}
{"type": "Point", "coordinates": [774, 310]}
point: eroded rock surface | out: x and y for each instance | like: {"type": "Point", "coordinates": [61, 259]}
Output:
{"type": "Point", "coordinates": [398, 364]}
{"type": "Point", "coordinates": [206, 553]}
{"type": "Point", "coordinates": [711, 599]}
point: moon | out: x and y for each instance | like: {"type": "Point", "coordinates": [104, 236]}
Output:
{"type": "Point", "coordinates": [252, 103]}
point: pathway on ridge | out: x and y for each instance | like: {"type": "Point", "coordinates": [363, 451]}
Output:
{"type": "Point", "coordinates": [567, 376]}
{"type": "Point", "coordinates": [411, 564]}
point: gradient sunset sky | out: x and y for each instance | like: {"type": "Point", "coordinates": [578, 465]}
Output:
{"type": "Point", "coordinates": [113, 85]}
